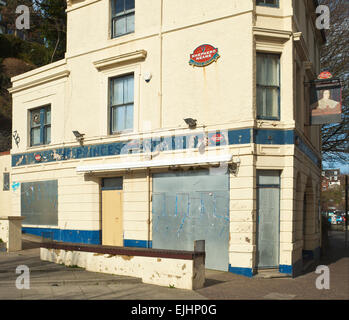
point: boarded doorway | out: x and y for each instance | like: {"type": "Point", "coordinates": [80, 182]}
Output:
{"type": "Point", "coordinates": [112, 217]}
{"type": "Point", "coordinates": [189, 206]}
{"type": "Point", "coordinates": [268, 219]}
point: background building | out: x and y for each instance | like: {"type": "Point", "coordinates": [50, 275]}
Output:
{"type": "Point", "coordinates": [106, 157]}
{"type": "Point", "coordinates": [331, 178]}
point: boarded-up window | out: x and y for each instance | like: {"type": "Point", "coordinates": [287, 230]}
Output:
{"type": "Point", "coordinates": [39, 202]}
{"type": "Point", "coordinates": [6, 181]}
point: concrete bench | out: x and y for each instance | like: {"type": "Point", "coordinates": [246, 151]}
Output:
{"type": "Point", "coordinates": [169, 268]}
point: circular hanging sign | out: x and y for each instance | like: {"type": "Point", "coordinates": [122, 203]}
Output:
{"type": "Point", "coordinates": [204, 55]}
{"type": "Point", "coordinates": [37, 157]}
{"type": "Point", "coordinates": [325, 75]}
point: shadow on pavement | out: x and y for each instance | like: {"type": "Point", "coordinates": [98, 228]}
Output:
{"type": "Point", "coordinates": [332, 251]}
{"type": "Point", "coordinates": [26, 245]}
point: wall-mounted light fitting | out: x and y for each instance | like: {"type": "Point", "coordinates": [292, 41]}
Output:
{"type": "Point", "coordinates": [192, 123]}
{"type": "Point", "coordinates": [234, 166]}
{"type": "Point", "coordinates": [79, 136]}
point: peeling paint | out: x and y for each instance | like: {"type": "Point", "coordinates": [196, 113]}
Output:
{"type": "Point", "coordinates": [127, 258]}
{"type": "Point", "coordinates": [20, 161]}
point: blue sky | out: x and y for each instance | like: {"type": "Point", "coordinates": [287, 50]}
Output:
{"type": "Point", "coordinates": [344, 167]}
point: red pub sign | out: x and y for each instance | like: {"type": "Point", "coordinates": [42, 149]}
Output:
{"type": "Point", "coordinates": [204, 55]}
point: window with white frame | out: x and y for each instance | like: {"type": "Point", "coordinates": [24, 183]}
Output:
{"type": "Point", "coordinates": [268, 86]}
{"type": "Point", "coordinates": [121, 103]}
{"type": "Point", "coordinates": [123, 17]}
{"type": "Point", "coordinates": [40, 126]}
{"type": "Point", "coordinates": [268, 3]}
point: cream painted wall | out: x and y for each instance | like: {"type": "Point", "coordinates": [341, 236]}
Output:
{"type": "Point", "coordinates": [5, 196]}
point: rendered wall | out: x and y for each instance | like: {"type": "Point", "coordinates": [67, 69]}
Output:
{"type": "Point", "coordinates": [5, 196]}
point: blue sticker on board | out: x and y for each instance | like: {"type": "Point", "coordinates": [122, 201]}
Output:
{"type": "Point", "coordinates": [15, 186]}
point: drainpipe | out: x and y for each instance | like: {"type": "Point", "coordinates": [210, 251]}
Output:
{"type": "Point", "coordinates": [161, 62]}
{"type": "Point", "coordinates": [346, 210]}
{"type": "Point", "coordinates": [149, 205]}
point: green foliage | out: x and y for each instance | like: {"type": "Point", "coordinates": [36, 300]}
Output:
{"type": "Point", "coordinates": [45, 43]}
{"type": "Point", "coordinates": [74, 267]}
{"type": "Point", "coordinates": [30, 52]}
{"type": "Point", "coordinates": [333, 198]}
{"type": "Point", "coordinates": [52, 26]}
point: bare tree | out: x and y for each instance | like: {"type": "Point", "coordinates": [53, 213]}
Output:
{"type": "Point", "coordinates": [335, 58]}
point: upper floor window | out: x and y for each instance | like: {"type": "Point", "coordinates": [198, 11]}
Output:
{"type": "Point", "coordinates": [122, 103]}
{"type": "Point", "coordinates": [268, 86]}
{"type": "Point", "coordinates": [268, 3]}
{"type": "Point", "coordinates": [123, 17]}
{"type": "Point", "coordinates": [40, 126]}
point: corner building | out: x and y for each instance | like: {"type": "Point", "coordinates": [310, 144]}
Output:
{"type": "Point", "coordinates": [105, 156]}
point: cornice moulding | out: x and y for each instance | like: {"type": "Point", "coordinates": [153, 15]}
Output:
{"type": "Point", "coordinates": [278, 35]}
{"type": "Point", "coordinates": [75, 4]}
{"type": "Point", "coordinates": [37, 82]}
{"type": "Point", "coordinates": [120, 59]}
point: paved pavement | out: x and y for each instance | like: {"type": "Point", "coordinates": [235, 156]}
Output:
{"type": "Point", "coordinates": [51, 281]}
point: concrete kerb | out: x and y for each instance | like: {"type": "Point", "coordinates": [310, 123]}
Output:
{"type": "Point", "coordinates": [86, 282]}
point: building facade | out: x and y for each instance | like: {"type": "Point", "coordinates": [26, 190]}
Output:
{"type": "Point", "coordinates": [174, 121]}
{"type": "Point", "coordinates": [331, 178]}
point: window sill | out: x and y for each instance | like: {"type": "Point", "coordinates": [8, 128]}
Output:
{"type": "Point", "coordinates": [121, 35]}
{"type": "Point", "coordinates": [39, 146]}
{"type": "Point", "coordinates": [276, 6]}
{"type": "Point", "coordinates": [121, 133]}
{"type": "Point", "coordinates": [268, 119]}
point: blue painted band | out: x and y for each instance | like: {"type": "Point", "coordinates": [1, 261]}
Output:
{"type": "Point", "coordinates": [247, 272]}
{"type": "Point", "coordinates": [74, 236]}
{"type": "Point", "coordinates": [302, 146]}
{"type": "Point", "coordinates": [312, 254]}
{"type": "Point", "coordinates": [274, 137]}
{"type": "Point", "coordinates": [181, 142]}
{"type": "Point", "coordinates": [137, 146]}
{"type": "Point", "coordinates": [138, 243]}
{"type": "Point", "coordinates": [286, 269]}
